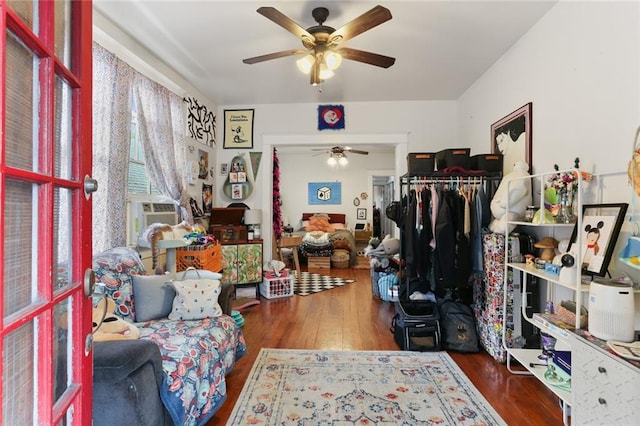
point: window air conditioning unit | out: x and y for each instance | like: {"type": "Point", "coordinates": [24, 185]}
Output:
{"type": "Point", "coordinates": [141, 214]}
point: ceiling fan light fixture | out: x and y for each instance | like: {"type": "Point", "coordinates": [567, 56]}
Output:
{"type": "Point", "coordinates": [325, 72]}
{"type": "Point", "coordinates": [332, 161]}
{"type": "Point", "coordinates": [333, 60]}
{"type": "Point", "coordinates": [343, 161]}
{"type": "Point", "coordinates": [305, 64]}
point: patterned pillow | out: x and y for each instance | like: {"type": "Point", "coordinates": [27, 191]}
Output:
{"type": "Point", "coordinates": [114, 268]}
{"type": "Point", "coordinates": [196, 299]}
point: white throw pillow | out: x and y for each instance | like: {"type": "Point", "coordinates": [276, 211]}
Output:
{"type": "Point", "coordinates": [196, 299]}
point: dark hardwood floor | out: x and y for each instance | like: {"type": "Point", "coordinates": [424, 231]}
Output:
{"type": "Point", "coordinates": [348, 318]}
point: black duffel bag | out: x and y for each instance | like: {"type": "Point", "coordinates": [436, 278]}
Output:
{"type": "Point", "coordinates": [458, 327]}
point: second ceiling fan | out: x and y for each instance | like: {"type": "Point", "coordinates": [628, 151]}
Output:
{"type": "Point", "coordinates": [339, 150]}
{"type": "Point", "coordinates": [337, 154]}
{"type": "Point", "coordinates": [323, 44]}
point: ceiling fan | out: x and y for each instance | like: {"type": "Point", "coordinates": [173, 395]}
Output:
{"type": "Point", "coordinates": [339, 150]}
{"type": "Point", "coordinates": [338, 154]}
{"type": "Point", "coordinates": [323, 44]}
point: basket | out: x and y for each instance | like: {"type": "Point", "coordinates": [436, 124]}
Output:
{"type": "Point", "coordinates": [340, 259]}
{"type": "Point", "coordinates": [273, 287]}
{"type": "Point", "coordinates": [207, 257]}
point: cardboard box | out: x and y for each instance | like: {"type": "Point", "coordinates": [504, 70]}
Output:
{"type": "Point", "coordinates": [319, 262]}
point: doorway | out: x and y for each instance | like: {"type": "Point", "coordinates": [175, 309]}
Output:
{"type": "Point", "coordinates": [383, 193]}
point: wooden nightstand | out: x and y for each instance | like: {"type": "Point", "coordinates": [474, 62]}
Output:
{"type": "Point", "coordinates": [362, 239]}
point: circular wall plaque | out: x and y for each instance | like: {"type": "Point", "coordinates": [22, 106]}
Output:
{"type": "Point", "coordinates": [356, 201]}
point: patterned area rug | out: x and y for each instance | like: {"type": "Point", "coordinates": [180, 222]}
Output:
{"type": "Point", "coordinates": [310, 283]}
{"type": "Point", "coordinates": [303, 387]}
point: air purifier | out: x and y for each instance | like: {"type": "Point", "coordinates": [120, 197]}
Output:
{"type": "Point", "coordinates": [611, 311]}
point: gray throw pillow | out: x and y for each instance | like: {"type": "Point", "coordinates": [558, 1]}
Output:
{"type": "Point", "coordinates": [153, 296]}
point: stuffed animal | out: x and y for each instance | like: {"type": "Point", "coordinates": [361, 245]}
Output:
{"type": "Point", "coordinates": [107, 326]}
{"type": "Point", "coordinates": [519, 195]}
{"type": "Point", "coordinates": [387, 247]}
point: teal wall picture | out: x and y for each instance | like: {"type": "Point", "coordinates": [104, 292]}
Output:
{"type": "Point", "coordinates": [325, 193]}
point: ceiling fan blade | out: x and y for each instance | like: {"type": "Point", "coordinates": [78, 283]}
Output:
{"type": "Point", "coordinates": [362, 23]}
{"type": "Point", "coordinates": [274, 55]}
{"type": "Point", "coordinates": [357, 151]}
{"type": "Point", "coordinates": [366, 57]}
{"type": "Point", "coordinates": [285, 22]}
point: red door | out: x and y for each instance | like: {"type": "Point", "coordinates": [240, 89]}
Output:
{"type": "Point", "coordinates": [45, 218]}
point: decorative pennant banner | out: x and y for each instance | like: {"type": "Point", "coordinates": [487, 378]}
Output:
{"type": "Point", "coordinates": [255, 158]}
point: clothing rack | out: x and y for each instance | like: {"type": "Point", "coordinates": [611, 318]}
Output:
{"type": "Point", "coordinates": [422, 264]}
{"type": "Point", "coordinates": [446, 178]}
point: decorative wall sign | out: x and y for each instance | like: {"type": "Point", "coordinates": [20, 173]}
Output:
{"type": "Point", "coordinates": [255, 158]}
{"type": "Point", "coordinates": [207, 197]}
{"type": "Point", "coordinates": [511, 136]}
{"type": "Point", "coordinates": [201, 123]}
{"type": "Point", "coordinates": [238, 128]}
{"type": "Point", "coordinates": [224, 168]}
{"type": "Point", "coordinates": [203, 164]}
{"type": "Point", "coordinates": [325, 193]}
{"type": "Point", "coordinates": [330, 117]}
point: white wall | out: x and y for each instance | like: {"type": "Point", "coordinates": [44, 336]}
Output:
{"type": "Point", "coordinates": [579, 66]}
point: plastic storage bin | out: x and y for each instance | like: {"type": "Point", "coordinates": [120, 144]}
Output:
{"type": "Point", "coordinates": [420, 162]}
{"type": "Point", "coordinates": [273, 286]}
{"type": "Point", "coordinates": [453, 157]}
{"type": "Point", "coordinates": [207, 257]}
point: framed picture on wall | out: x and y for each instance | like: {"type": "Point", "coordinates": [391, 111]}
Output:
{"type": "Point", "coordinates": [601, 224]}
{"type": "Point", "coordinates": [238, 128]}
{"type": "Point", "coordinates": [361, 214]}
{"type": "Point", "coordinates": [203, 164]}
{"type": "Point", "coordinates": [511, 136]}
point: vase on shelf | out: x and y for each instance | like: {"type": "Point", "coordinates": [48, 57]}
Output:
{"type": "Point", "coordinates": [565, 213]}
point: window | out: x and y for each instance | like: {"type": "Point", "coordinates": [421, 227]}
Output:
{"type": "Point", "coordinates": [138, 180]}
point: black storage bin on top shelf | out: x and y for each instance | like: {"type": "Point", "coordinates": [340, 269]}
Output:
{"type": "Point", "coordinates": [454, 157]}
{"type": "Point", "coordinates": [488, 162]}
{"type": "Point", "coordinates": [420, 162]}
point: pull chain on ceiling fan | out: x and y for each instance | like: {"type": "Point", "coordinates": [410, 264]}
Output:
{"type": "Point", "coordinates": [324, 51]}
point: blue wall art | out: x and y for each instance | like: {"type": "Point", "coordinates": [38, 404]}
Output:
{"type": "Point", "coordinates": [325, 193]}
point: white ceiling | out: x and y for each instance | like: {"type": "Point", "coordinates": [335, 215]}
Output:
{"type": "Point", "coordinates": [441, 47]}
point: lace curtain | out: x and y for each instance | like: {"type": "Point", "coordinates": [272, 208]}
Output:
{"type": "Point", "coordinates": [112, 83]}
{"type": "Point", "coordinates": [161, 127]}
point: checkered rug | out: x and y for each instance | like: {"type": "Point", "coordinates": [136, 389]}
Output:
{"type": "Point", "coordinates": [310, 283]}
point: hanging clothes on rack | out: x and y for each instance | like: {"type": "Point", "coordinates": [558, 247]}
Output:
{"type": "Point", "coordinates": [443, 222]}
